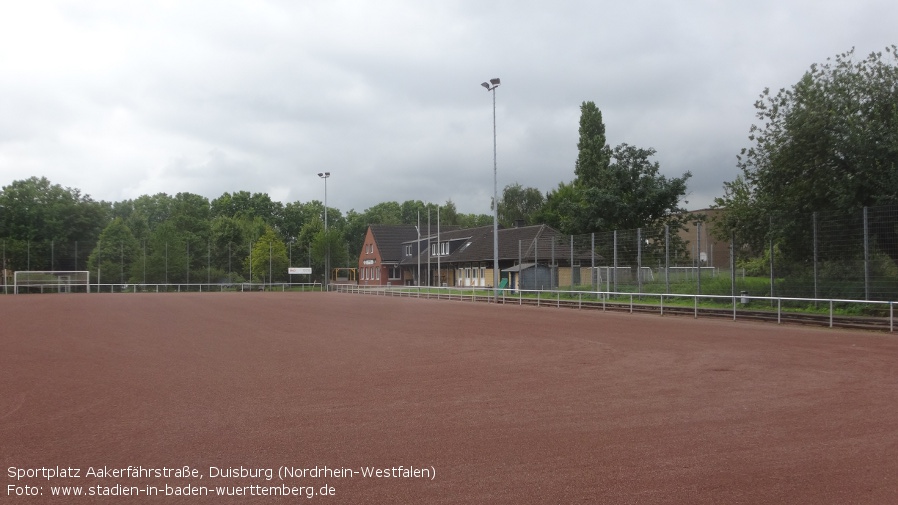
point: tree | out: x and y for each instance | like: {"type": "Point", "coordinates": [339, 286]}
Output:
{"type": "Point", "coordinates": [268, 260]}
{"type": "Point", "coordinates": [474, 220]}
{"type": "Point", "coordinates": [114, 257]}
{"type": "Point", "coordinates": [828, 143]}
{"type": "Point", "coordinates": [156, 209]}
{"type": "Point", "coordinates": [230, 239]}
{"type": "Point", "coordinates": [384, 213]}
{"type": "Point", "coordinates": [562, 209]}
{"type": "Point", "coordinates": [166, 256]}
{"type": "Point", "coordinates": [411, 210]}
{"type": "Point", "coordinates": [296, 215]}
{"type": "Point", "coordinates": [614, 189]}
{"type": "Point", "coordinates": [593, 155]}
{"type": "Point", "coordinates": [321, 244]}
{"type": "Point", "coordinates": [243, 204]}
{"type": "Point", "coordinates": [520, 204]}
{"type": "Point", "coordinates": [631, 193]}
{"type": "Point", "coordinates": [37, 217]}
{"type": "Point", "coordinates": [448, 214]}
{"type": "Point", "coordinates": [305, 243]}
{"type": "Point", "coordinates": [34, 209]}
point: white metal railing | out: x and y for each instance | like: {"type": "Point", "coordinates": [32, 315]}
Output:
{"type": "Point", "coordinates": [743, 303]}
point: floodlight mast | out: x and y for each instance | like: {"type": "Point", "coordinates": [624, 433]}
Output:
{"type": "Point", "coordinates": [491, 86]}
{"type": "Point", "coordinates": [327, 244]}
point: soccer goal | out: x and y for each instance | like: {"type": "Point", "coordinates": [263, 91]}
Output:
{"type": "Point", "coordinates": [51, 281]}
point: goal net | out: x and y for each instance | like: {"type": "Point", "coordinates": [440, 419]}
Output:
{"type": "Point", "coordinates": [51, 281]}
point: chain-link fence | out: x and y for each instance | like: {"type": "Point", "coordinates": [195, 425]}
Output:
{"type": "Point", "coordinates": [184, 265]}
{"type": "Point", "coordinates": [641, 260]}
{"type": "Point", "coordinates": [822, 255]}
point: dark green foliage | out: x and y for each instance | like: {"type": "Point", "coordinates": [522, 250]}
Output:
{"type": "Point", "coordinates": [614, 189]}
{"type": "Point", "coordinates": [520, 204]}
{"type": "Point", "coordinates": [269, 260]}
{"type": "Point", "coordinates": [38, 211]}
{"type": "Point", "coordinates": [828, 143]}
{"type": "Point", "coordinates": [115, 253]}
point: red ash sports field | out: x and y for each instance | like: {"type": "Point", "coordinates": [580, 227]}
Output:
{"type": "Point", "coordinates": [507, 404]}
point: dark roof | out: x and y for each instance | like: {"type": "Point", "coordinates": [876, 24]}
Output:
{"type": "Point", "coordinates": [389, 238]}
{"type": "Point", "coordinates": [524, 242]}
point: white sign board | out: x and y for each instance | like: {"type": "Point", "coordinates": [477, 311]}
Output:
{"type": "Point", "coordinates": [300, 270]}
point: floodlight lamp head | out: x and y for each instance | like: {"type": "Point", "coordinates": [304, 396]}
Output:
{"type": "Point", "coordinates": [493, 84]}
{"type": "Point", "coordinates": [324, 175]}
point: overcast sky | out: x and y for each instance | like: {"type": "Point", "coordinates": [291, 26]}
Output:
{"type": "Point", "coordinates": [125, 98]}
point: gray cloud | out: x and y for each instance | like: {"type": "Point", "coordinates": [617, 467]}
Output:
{"type": "Point", "coordinates": [123, 99]}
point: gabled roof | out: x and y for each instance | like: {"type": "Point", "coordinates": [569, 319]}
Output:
{"type": "Point", "coordinates": [513, 243]}
{"type": "Point", "coordinates": [511, 240]}
{"type": "Point", "coordinates": [389, 239]}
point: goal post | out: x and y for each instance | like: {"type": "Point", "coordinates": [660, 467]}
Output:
{"type": "Point", "coordinates": [51, 281]}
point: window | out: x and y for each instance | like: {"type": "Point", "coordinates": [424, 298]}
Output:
{"type": "Point", "coordinates": [408, 250]}
{"type": "Point", "coordinates": [440, 249]}
{"type": "Point", "coordinates": [395, 272]}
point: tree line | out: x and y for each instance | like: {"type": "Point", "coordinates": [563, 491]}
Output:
{"type": "Point", "coordinates": [173, 238]}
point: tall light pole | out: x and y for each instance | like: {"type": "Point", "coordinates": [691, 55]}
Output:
{"type": "Point", "coordinates": [327, 244]}
{"type": "Point", "coordinates": [491, 86]}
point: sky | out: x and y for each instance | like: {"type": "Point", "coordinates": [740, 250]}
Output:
{"type": "Point", "coordinates": [123, 99]}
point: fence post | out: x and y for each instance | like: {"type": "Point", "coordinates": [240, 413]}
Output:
{"type": "Point", "coordinates": [733, 268]}
{"type": "Point", "coordinates": [770, 228]}
{"type": "Point", "coordinates": [592, 262]}
{"type": "Point", "coordinates": [552, 268]}
{"type": "Point", "coordinates": [99, 262]}
{"type": "Point", "coordinates": [830, 313]}
{"type": "Point", "coordinates": [866, 258]}
{"type": "Point", "coordinates": [615, 261]}
{"type": "Point", "coordinates": [572, 262]}
{"type": "Point", "coordinates": [814, 234]}
{"type": "Point", "coordinates": [698, 253]}
{"type": "Point", "coordinates": [639, 260]}
{"type": "Point", "coordinates": [667, 258]}
{"type": "Point", "coordinates": [535, 261]}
